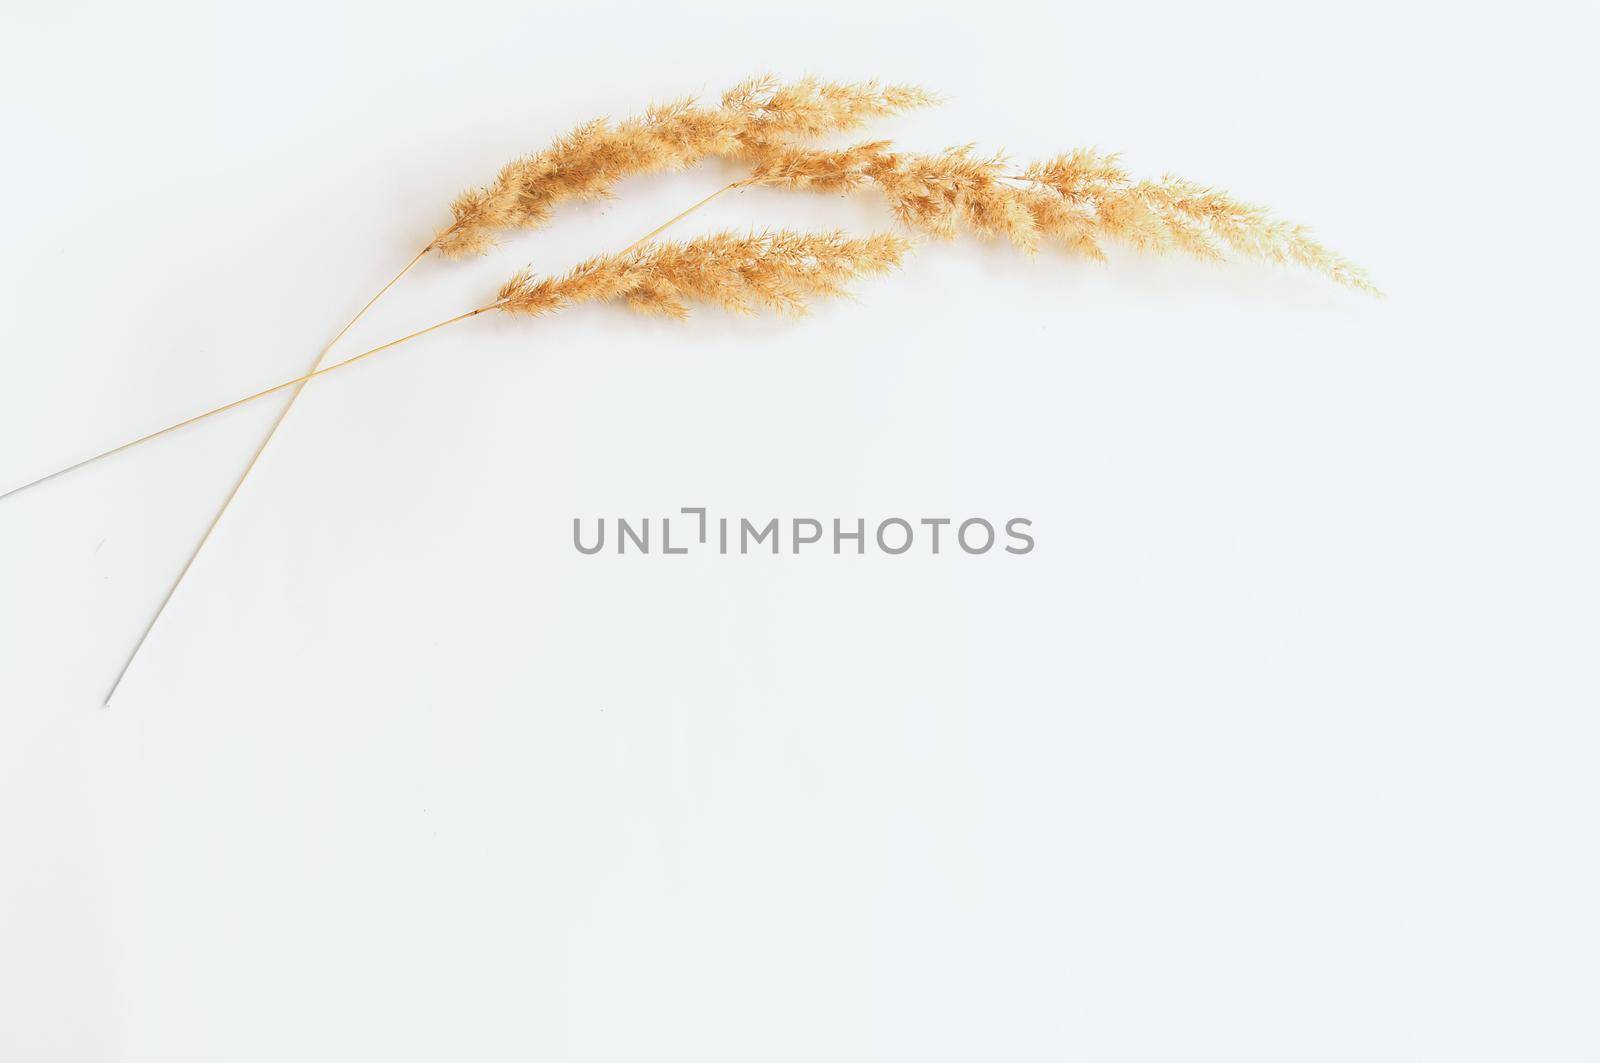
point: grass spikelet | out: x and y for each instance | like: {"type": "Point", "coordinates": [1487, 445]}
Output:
{"type": "Point", "coordinates": [811, 107]}
{"type": "Point", "coordinates": [1079, 200]}
{"type": "Point", "coordinates": [937, 194]}
{"type": "Point", "coordinates": [1177, 214]}
{"type": "Point", "coordinates": [590, 160]}
{"type": "Point", "coordinates": [781, 271]}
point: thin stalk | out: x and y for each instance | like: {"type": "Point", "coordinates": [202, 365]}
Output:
{"type": "Point", "coordinates": [263, 393]}
{"type": "Point", "coordinates": [317, 369]}
{"type": "Point", "coordinates": [652, 234]}
{"type": "Point", "coordinates": [676, 218]}
{"type": "Point", "coordinates": [249, 467]}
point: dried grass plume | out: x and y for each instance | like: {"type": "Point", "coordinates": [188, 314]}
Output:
{"type": "Point", "coordinates": [1079, 200]}
{"type": "Point", "coordinates": [779, 271]}
{"type": "Point", "coordinates": [757, 115]}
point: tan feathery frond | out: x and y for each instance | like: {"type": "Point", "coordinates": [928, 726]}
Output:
{"type": "Point", "coordinates": [1079, 173]}
{"type": "Point", "coordinates": [779, 271]}
{"type": "Point", "coordinates": [1079, 199]}
{"type": "Point", "coordinates": [1177, 214]}
{"type": "Point", "coordinates": [938, 194]}
{"type": "Point", "coordinates": [811, 107]}
{"type": "Point", "coordinates": [1252, 231]}
{"type": "Point", "coordinates": [589, 161]}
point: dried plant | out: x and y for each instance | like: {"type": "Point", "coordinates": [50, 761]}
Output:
{"type": "Point", "coordinates": [1080, 200]}
{"type": "Point", "coordinates": [779, 271]}
{"type": "Point", "coordinates": [774, 271]}
{"type": "Point", "coordinates": [589, 161]}
{"type": "Point", "coordinates": [758, 115]}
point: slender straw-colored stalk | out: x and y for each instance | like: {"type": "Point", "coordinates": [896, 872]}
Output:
{"type": "Point", "coordinates": [319, 369]}
{"type": "Point", "coordinates": [299, 383]}
{"type": "Point", "coordinates": [263, 393]}
{"type": "Point", "coordinates": [249, 467]}
{"type": "Point", "coordinates": [676, 218]}
{"type": "Point", "coordinates": [597, 155]}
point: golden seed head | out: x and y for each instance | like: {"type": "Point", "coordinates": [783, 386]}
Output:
{"type": "Point", "coordinates": [1079, 200]}
{"type": "Point", "coordinates": [589, 161]}
{"type": "Point", "coordinates": [779, 271]}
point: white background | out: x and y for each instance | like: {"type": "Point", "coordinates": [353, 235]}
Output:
{"type": "Point", "coordinates": [1281, 746]}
